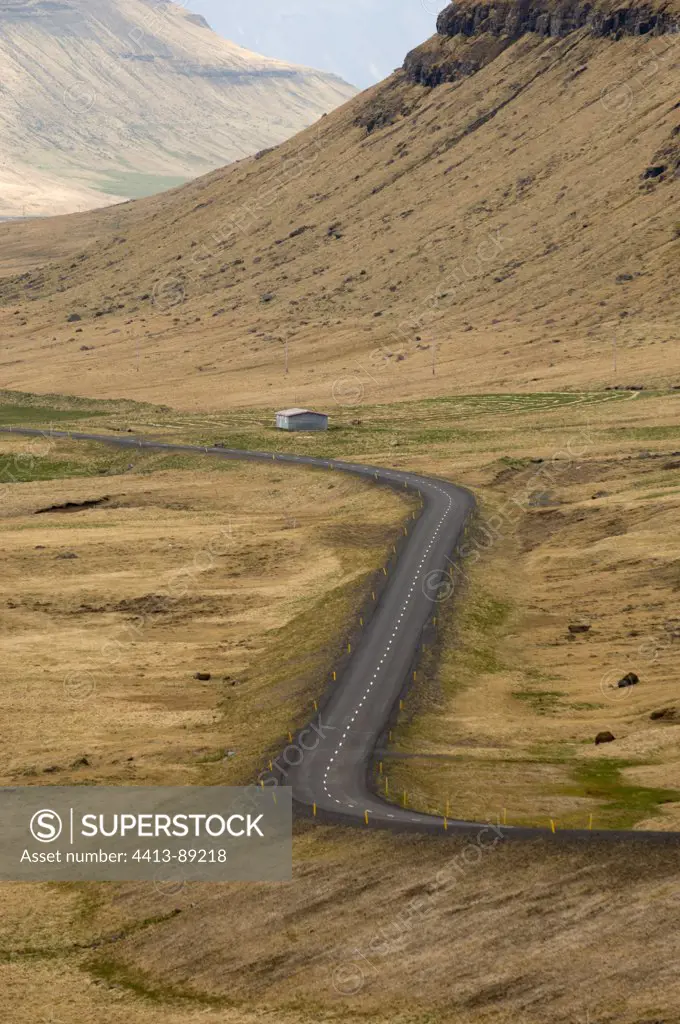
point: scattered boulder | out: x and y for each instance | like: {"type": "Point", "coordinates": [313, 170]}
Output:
{"type": "Point", "coordinates": [583, 628]}
{"type": "Point", "coordinates": [629, 680]}
{"type": "Point", "coordinates": [604, 737]}
{"type": "Point", "coordinates": [664, 715]}
{"type": "Point", "coordinates": [654, 172]}
{"type": "Point", "coordinates": [203, 677]}
{"type": "Point", "coordinates": [80, 762]}
{"type": "Point", "coordinates": [67, 555]}
{"type": "Point", "coordinates": [73, 318]}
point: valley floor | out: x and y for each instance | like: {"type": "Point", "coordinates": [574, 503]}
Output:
{"type": "Point", "coordinates": [577, 519]}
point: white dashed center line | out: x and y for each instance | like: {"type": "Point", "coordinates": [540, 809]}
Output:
{"type": "Point", "coordinates": [404, 608]}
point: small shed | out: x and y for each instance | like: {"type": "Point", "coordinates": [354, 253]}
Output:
{"type": "Point", "coordinates": [301, 419]}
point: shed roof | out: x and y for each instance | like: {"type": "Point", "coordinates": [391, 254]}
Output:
{"type": "Point", "coordinates": [299, 412]}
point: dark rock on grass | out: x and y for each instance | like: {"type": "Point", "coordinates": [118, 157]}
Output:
{"type": "Point", "coordinates": [67, 556]}
{"type": "Point", "coordinates": [80, 762]}
{"type": "Point", "coordinates": [203, 677]}
{"type": "Point", "coordinates": [51, 769]}
{"type": "Point", "coordinates": [664, 715]}
{"type": "Point", "coordinates": [73, 318]}
{"type": "Point", "coordinates": [654, 172]}
{"type": "Point", "coordinates": [579, 628]}
{"type": "Point", "coordinates": [604, 737]}
{"type": "Point", "coordinates": [630, 680]}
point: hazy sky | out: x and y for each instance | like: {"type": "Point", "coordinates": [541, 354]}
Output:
{"type": "Point", "coordinates": [360, 40]}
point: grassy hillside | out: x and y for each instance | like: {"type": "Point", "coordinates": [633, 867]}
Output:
{"type": "Point", "coordinates": [503, 217]}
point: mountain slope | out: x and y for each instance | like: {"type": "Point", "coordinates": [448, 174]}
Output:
{"type": "Point", "coordinates": [104, 99]}
{"type": "Point", "coordinates": [514, 215]}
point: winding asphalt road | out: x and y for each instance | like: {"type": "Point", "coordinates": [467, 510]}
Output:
{"type": "Point", "coordinates": [328, 764]}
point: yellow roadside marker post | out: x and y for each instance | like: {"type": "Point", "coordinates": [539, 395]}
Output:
{"type": "Point", "coordinates": [401, 705]}
{"type": "Point", "coordinates": [316, 706]}
{"type": "Point", "coordinates": [384, 571]}
{"type": "Point", "coordinates": [314, 810]}
{"type": "Point", "coordinates": [590, 823]}
{"type": "Point", "coordinates": [290, 736]}
{"type": "Point", "coordinates": [271, 766]}
{"type": "Point", "coordinates": [373, 594]}
{"type": "Point", "coordinates": [446, 825]}
{"type": "Point", "coordinates": [448, 815]}
{"type": "Point", "coordinates": [335, 676]}
{"type": "Point", "coordinates": [552, 826]}
{"type": "Point", "coordinates": [361, 621]}
{"type": "Point", "coordinates": [366, 817]}
{"type": "Point", "coordinates": [380, 767]}
{"type": "Point", "coordinates": [262, 783]}
{"type": "Point", "coordinates": [387, 785]}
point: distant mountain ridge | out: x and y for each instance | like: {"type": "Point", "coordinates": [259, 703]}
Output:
{"type": "Point", "coordinates": [104, 100]}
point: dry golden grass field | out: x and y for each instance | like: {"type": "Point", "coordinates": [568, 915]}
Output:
{"type": "Point", "coordinates": [459, 274]}
{"type": "Point", "coordinates": [244, 572]}
{"type": "Point", "coordinates": [373, 928]}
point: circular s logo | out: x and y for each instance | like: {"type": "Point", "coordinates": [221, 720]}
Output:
{"type": "Point", "coordinates": [46, 826]}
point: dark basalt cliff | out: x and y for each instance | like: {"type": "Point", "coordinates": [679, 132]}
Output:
{"type": "Point", "coordinates": [470, 35]}
{"type": "Point", "coordinates": [545, 19]}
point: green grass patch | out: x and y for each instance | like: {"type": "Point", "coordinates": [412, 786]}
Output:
{"type": "Point", "coordinates": [140, 984]}
{"type": "Point", "coordinates": [542, 702]}
{"type": "Point", "coordinates": [28, 415]}
{"type": "Point", "coordinates": [24, 469]}
{"type": "Point", "coordinates": [488, 613]}
{"type": "Point", "coordinates": [623, 804]}
{"type": "Point", "coordinates": [667, 433]}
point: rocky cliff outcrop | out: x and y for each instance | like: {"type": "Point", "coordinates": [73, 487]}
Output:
{"type": "Point", "coordinates": [469, 35]}
{"type": "Point", "coordinates": [550, 19]}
